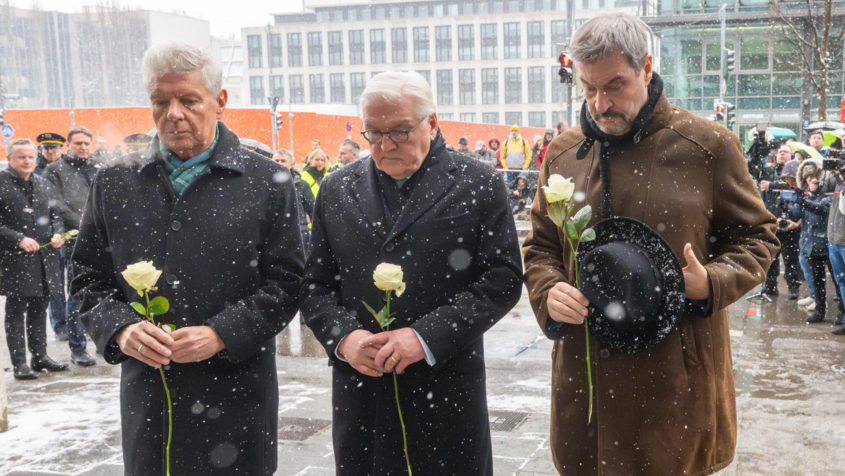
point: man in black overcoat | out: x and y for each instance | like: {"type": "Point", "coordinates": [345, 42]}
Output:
{"type": "Point", "coordinates": [29, 218]}
{"type": "Point", "coordinates": [221, 224]}
{"type": "Point", "coordinates": [444, 219]}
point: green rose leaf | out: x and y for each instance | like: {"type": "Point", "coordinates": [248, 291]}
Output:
{"type": "Point", "coordinates": [588, 235]}
{"type": "Point", "coordinates": [373, 312]}
{"type": "Point", "coordinates": [159, 305]}
{"type": "Point", "coordinates": [571, 232]}
{"type": "Point", "coordinates": [384, 319]}
{"type": "Point", "coordinates": [139, 308]}
{"type": "Point", "coordinates": [583, 217]}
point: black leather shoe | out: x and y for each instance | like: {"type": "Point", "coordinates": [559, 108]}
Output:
{"type": "Point", "coordinates": [23, 372]}
{"type": "Point", "coordinates": [793, 294]}
{"type": "Point", "coordinates": [46, 363]}
{"type": "Point", "coordinates": [840, 331]}
{"type": "Point", "coordinates": [770, 291]}
{"type": "Point", "coordinates": [815, 317]}
{"type": "Point", "coordinates": [839, 320]}
{"type": "Point", "coordinates": [82, 359]}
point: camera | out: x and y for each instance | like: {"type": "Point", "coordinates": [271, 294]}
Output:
{"type": "Point", "coordinates": [759, 149]}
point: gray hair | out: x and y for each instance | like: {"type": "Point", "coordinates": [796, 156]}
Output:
{"type": "Point", "coordinates": [180, 58]}
{"type": "Point", "coordinates": [611, 33]}
{"type": "Point", "coordinates": [285, 152]}
{"type": "Point", "coordinates": [79, 130]}
{"type": "Point", "coordinates": [392, 85]}
{"type": "Point", "coordinates": [17, 143]}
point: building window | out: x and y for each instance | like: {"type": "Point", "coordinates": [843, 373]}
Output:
{"type": "Point", "coordinates": [466, 86]}
{"type": "Point", "coordinates": [297, 89]}
{"type": "Point", "coordinates": [489, 86]}
{"type": "Point", "coordinates": [274, 47]}
{"type": "Point", "coordinates": [513, 118]}
{"type": "Point", "coordinates": [316, 88]}
{"type": "Point", "coordinates": [466, 42]}
{"type": "Point", "coordinates": [536, 85]}
{"type": "Point", "coordinates": [356, 46]}
{"type": "Point", "coordinates": [559, 36]}
{"type": "Point", "coordinates": [467, 117]}
{"type": "Point", "coordinates": [421, 44]}
{"type": "Point", "coordinates": [536, 39]}
{"type": "Point", "coordinates": [489, 41]}
{"type": "Point", "coordinates": [377, 46]}
{"type": "Point", "coordinates": [490, 117]}
{"type": "Point", "coordinates": [315, 48]}
{"type": "Point", "coordinates": [253, 46]}
{"type": "Point", "coordinates": [754, 53]}
{"type": "Point", "coordinates": [512, 40]}
{"type": "Point", "coordinates": [513, 86]}
{"type": "Point", "coordinates": [277, 87]}
{"type": "Point", "coordinates": [357, 81]}
{"type": "Point", "coordinates": [338, 89]}
{"type": "Point", "coordinates": [443, 43]}
{"type": "Point", "coordinates": [537, 119]}
{"type": "Point", "coordinates": [399, 44]}
{"type": "Point", "coordinates": [256, 90]}
{"type": "Point", "coordinates": [294, 50]}
{"type": "Point", "coordinates": [444, 87]}
{"type": "Point", "coordinates": [445, 116]}
{"type": "Point", "coordinates": [335, 40]}
{"type": "Point", "coordinates": [426, 74]}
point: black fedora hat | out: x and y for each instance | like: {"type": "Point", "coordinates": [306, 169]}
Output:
{"type": "Point", "coordinates": [634, 283]}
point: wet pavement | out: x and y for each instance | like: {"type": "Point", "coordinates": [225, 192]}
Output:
{"type": "Point", "coordinates": [789, 376]}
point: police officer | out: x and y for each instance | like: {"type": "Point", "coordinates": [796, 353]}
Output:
{"type": "Point", "coordinates": [137, 142]}
{"type": "Point", "coordinates": [50, 149]}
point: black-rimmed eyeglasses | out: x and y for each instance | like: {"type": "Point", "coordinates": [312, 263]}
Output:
{"type": "Point", "coordinates": [374, 136]}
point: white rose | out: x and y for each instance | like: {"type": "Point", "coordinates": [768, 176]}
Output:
{"type": "Point", "coordinates": [558, 189]}
{"type": "Point", "coordinates": [388, 277]}
{"type": "Point", "coordinates": [142, 276]}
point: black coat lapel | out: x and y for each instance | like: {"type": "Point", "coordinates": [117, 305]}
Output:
{"type": "Point", "coordinates": [365, 189]}
{"type": "Point", "coordinates": [433, 185]}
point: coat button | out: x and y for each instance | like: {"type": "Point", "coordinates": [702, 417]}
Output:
{"type": "Point", "coordinates": [175, 225]}
{"type": "Point", "coordinates": [171, 279]}
{"type": "Point", "coordinates": [389, 247]}
{"type": "Point", "coordinates": [604, 353]}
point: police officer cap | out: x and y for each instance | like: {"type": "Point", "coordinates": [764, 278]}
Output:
{"type": "Point", "coordinates": [50, 139]}
{"type": "Point", "coordinates": [137, 140]}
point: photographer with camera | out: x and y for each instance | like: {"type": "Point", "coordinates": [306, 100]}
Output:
{"type": "Point", "coordinates": [814, 206]}
{"type": "Point", "coordinates": [776, 188]}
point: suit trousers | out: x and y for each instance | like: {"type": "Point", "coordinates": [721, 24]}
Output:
{"type": "Point", "coordinates": [26, 323]}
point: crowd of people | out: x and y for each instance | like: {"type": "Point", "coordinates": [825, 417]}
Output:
{"type": "Point", "coordinates": [805, 195]}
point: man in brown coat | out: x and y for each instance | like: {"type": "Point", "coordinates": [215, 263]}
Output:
{"type": "Point", "coordinates": [669, 409]}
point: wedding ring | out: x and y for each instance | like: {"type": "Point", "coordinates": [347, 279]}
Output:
{"type": "Point", "coordinates": [394, 359]}
{"type": "Point", "coordinates": [140, 347]}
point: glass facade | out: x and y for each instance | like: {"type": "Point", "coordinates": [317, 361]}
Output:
{"type": "Point", "coordinates": [253, 46]}
{"type": "Point", "coordinates": [274, 47]}
{"type": "Point", "coordinates": [335, 41]}
{"type": "Point", "coordinates": [443, 43]}
{"type": "Point", "coordinates": [294, 49]}
{"type": "Point", "coordinates": [466, 86]}
{"type": "Point", "coordinates": [399, 44]}
{"type": "Point", "coordinates": [377, 46]}
{"type": "Point", "coordinates": [421, 44]}
{"type": "Point", "coordinates": [444, 87]}
{"type": "Point", "coordinates": [315, 48]}
{"type": "Point", "coordinates": [466, 42]}
{"type": "Point", "coordinates": [356, 46]}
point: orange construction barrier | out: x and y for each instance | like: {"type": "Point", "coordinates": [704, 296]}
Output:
{"type": "Point", "coordinates": [118, 122]}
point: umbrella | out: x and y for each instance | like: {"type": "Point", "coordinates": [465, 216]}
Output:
{"type": "Point", "coordinates": [825, 126]}
{"type": "Point", "coordinates": [831, 136]}
{"type": "Point", "coordinates": [773, 132]}
{"type": "Point", "coordinates": [805, 150]}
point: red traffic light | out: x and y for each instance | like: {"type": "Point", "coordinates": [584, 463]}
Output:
{"type": "Point", "coordinates": [565, 60]}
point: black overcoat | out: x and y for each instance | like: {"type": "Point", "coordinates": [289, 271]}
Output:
{"type": "Point", "coordinates": [36, 216]}
{"type": "Point", "coordinates": [231, 256]}
{"type": "Point", "coordinates": [456, 243]}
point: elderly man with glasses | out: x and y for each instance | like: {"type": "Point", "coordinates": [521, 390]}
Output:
{"type": "Point", "coordinates": [444, 219]}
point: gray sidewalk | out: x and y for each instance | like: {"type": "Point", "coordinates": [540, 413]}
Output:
{"type": "Point", "coordinates": [790, 393]}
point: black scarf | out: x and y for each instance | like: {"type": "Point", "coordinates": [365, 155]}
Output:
{"type": "Point", "coordinates": [592, 133]}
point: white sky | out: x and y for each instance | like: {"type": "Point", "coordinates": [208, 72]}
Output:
{"type": "Point", "coordinates": [225, 17]}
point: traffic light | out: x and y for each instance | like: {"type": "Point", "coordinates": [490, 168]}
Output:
{"type": "Point", "coordinates": [277, 120]}
{"type": "Point", "coordinates": [730, 115]}
{"type": "Point", "coordinates": [730, 60]}
{"type": "Point", "coordinates": [720, 113]}
{"type": "Point", "coordinates": [565, 72]}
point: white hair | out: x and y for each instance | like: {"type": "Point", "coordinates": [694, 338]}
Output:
{"type": "Point", "coordinates": [611, 33]}
{"type": "Point", "coordinates": [392, 85]}
{"type": "Point", "coordinates": [180, 58]}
